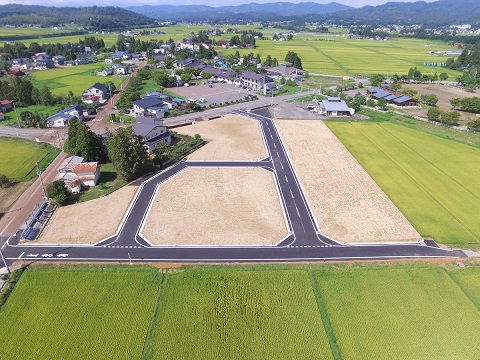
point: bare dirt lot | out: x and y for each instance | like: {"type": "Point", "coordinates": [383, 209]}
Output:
{"type": "Point", "coordinates": [218, 93]}
{"type": "Point", "coordinates": [88, 222]}
{"type": "Point", "coordinates": [347, 204]}
{"type": "Point", "coordinates": [228, 206]}
{"type": "Point", "coordinates": [444, 93]}
{"type": "Point", "coordinates": [232, 137]}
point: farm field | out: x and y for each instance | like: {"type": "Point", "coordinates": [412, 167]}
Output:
{"type": "Point", "coordinates": [240, 315]}
{"type": "Point", "coordinates": [431, 180]}
{"type": "Point", "coordinates": [78, 314]}
{"type": "Point", "coordinates": [336, 55]}
{"type": "Point", "coordinates": [72, 78]}
{"type": "Point", "coordinates": [18, 157]}
{"type": "Point", "coordinates": [401, 313]}
{"type": "Point", "coordinates": [326, 311]}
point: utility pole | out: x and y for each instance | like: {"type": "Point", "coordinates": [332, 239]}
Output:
{"type": "Point", "coordinates": [39, 173]}
{"type": "Point", "coordinates": [16, 115]}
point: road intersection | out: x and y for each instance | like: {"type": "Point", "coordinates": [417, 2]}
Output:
{"type": "Point", "coordinates": [305, 241]}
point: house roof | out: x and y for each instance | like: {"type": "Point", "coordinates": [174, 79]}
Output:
{"type": "Point", "coordinates": [402, 99]}
{"type": "Point", "coordinates": [157, 138]}
{"type": "Point", "coordinates": [144, 128]}
{"type": "Point", "coordinates": [71, 161]}
{"type": "Point", "coordinates": [84, 167]}
{"type": "Point", "coordinates": [5, 102]}
{"type": "Point", "coordinates": [147, 102]}
{"type": "Point", "coordinates": [334, 105]}
{"type": "Point", "coordinates": [249, 75]}
{"type": "Point", "coordinates": [98, 86]}
{"type": "Point", "coordinates": [380, 94]}
{"type": "Point", "coordinates": [391, 97]}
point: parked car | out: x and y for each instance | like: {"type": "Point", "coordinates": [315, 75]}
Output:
{"type": "Point", "coordinates": [210, 85]}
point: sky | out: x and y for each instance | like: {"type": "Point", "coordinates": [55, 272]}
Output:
{"type": "Point", "coordinates": [215, 3]}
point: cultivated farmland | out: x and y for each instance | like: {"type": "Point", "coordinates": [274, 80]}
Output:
{"type": "Point", "coordinates": [433, 181]}
{"type": "Point", "coordinates": [360, 311]}
{"type": "Point", "coordinates": [400, 313]}
{"type": "Point", "coordinates": [18, 157]}
{"type": "Point", "coordinates": [240, 315]}
{"type": "Point", "coordinates": [72, 78]}
{"type": "Point", "coordinates": [78, 315]}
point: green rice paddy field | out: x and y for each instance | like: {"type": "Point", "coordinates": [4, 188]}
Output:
{"type": "Point", "coordinates": [72, 78]}
{"type": "Point", "coordinates": [403, 311]}
{"type": "Point", "coordinates": [432, 180]}
{"type": "Point", "coordinates": [18, 157]}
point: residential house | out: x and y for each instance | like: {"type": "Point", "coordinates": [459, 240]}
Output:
{"type": "Point", "coordinates": [59, 60]}
{"type": "Point", "coordinates": [334, 106]}
{"type": "Point", "coordinates": [153, 132]}
{"type": "Point", "coordinates": [96, 89]}
{"type": "Point", "coordinates": [253, 80]}
{"type": "Point", "coordinates": [107, 71]}
{"type": "Point", "coordinates": [287, 71]}
{"type": "Point", "coordinates": [75, 173]}
{"type": "Point", "coordinates": [149, 106]}
{"type": "Point", "coordinates": [63, 117]}
{"type": "Point", "coordinates": [42, 61]}
{"type": "Point", "coordinates": [6, 105]}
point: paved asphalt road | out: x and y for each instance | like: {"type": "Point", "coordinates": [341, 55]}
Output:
{"type": "Point", "coordinates": [306, 243]}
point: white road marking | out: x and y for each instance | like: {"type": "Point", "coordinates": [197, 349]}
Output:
{"type": "Point", "coordinates": [21, 254]}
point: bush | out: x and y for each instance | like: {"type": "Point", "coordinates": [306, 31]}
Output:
{"type": "Point", "coordinates": [59, 193]}
{"type": "Point", "coordinates": [4, 181]}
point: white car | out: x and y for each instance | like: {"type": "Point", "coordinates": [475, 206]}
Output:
{"type": "Point", "coordinates": [202, 100]}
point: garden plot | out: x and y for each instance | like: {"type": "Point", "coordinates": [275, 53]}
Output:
{"type": "Point", "coordinates": [216, 206]}
{"type": "Point", "coordinates": [347, 204]}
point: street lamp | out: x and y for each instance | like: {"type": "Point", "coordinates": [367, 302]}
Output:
{"type": "Point", "coordinates": [39, 173]}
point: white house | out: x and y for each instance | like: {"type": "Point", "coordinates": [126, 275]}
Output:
{"type": "Point", "coordinates": [96, 90]}
{"type": "Point", "coordinates": [63, 117]}
{"type": "Point", "coordinates": [75, 173]}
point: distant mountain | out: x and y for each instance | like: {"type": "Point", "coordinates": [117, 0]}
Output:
{"type": "Point", "coordinates": [93, 18]}
{"type": "Point", "coordinates": [252, 11]}
{"type": "Point", "coordinates": [439, 13]}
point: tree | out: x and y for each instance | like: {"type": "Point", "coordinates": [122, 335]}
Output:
{"type": "Point", "coordinates": [84, 142]}
{"type": "Point", "coordinates": [474, 125]}
{"type": "Point", "coordinates": [370, 103]}
{"type": "Point", "coordinates": [434, 114]}
{"type": "Point", "coordinates": [59, 193]}
{"type": "Point", "coordinates": [356, 102]}
{"type": "Point", "coordinates": [382, 103]}
{"type": "Point", "coordinates": [429, 99]}
{"type": "Point", "coordinates": [186, 77]}
{"type": "Point", "coordinates": [268, 60]}
{"type": "Point", "coordinates": [377, 79]}
{"type": "Point", "coordinates": [128, 153]}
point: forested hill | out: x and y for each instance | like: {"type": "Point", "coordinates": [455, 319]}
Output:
{"type": "Point", "coordinates": [438, 13]}
{"type": "Point", "coordinates": [93, 17]}
{"type": "Point", "coordinates": [252, 11]}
